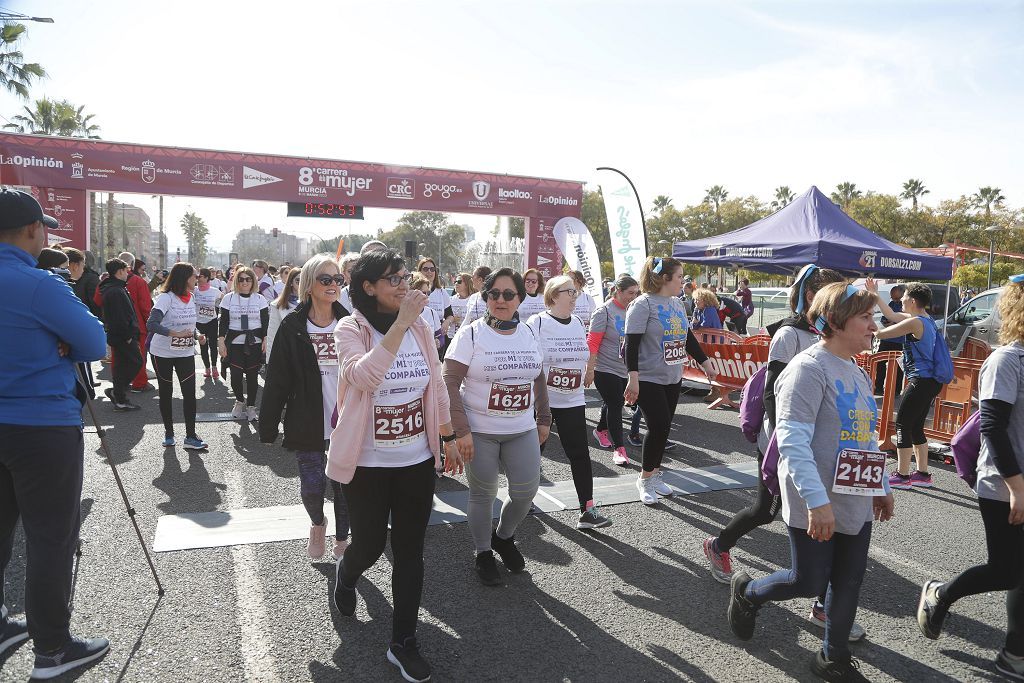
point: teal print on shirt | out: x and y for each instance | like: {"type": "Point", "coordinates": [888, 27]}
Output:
{"type": "Point", "coordinates": [856, 417]}
{"type": "Point", "coordinates": [620, 325]}
{"type": "Point", "coordinates": [673, 324]}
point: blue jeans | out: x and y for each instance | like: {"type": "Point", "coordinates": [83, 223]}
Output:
{"type": "Point", "coordinates": [837, 564]}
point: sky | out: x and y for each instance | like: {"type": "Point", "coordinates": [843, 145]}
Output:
{"type": "Point", "coordinates": [679, 95]}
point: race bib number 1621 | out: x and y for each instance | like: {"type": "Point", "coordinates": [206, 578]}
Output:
{"type": "Point", "coordinates": [508, 400]}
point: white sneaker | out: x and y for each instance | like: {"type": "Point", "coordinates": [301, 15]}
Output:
{"type": "Point", "coordinates": [251, 414]}
{"type": "Point", "coordinates": [619, 457]}
{"type": "Point", "coordinates": [648, 496]}
{"type": "Point", "coordinates": [238, 412]}
{"type": "Point", "coordinates": [660, 487]}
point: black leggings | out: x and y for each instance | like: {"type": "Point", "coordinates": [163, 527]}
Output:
{"type": "Point", "coordinates": [210, 330]}
{"type": "Point", "coordinates": [404, 495]}
{"type": "Point", "coordinates": [762, 511]}
{"type": "Point", "coordinates": [244, 366]}
{"type": "Point", "coordinates": [611, 388]}
{"type": "Point", "coordinates": [186, 370]}
{"type": "Point", "coordinates": [1004, 571]}
{"type": "Point", "coordinates": [917, 399]}
{"type": "Point", "coordinates": [572, 432]}
{"type": "Point", "coordinates": [658, 404]}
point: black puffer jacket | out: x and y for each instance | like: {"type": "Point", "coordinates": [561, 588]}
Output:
{"type": "Point", "coordinates": [293, 379]}
{"type": "Point", "coordinates": [119, 316]}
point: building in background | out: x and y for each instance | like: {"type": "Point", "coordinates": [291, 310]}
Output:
{"type": "Point", "coordinates": [273, 245]}
{"type": "Point", "coordinates": [125, 227]}
{"type": "Point", "coordinates": [154, 250]}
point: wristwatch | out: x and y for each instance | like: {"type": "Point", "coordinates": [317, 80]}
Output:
{"type": "Point", "coordinates": [449, 438]}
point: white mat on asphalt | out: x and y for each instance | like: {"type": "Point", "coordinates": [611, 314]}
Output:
{"type": "Point", "coordinates": [288, 522]}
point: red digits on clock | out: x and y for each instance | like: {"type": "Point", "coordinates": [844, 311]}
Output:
{"type": "Point", "coordinates": [310, 208]}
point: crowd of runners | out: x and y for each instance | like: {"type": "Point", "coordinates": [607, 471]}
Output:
{"type": "Point", "coordinates": [383, 380]}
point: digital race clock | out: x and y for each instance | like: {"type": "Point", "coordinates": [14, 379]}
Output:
{"type": "Point", "coordinates": [322, 210]}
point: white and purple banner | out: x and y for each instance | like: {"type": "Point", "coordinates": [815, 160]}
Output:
{"type": "Point", "coordinates": [625, 222]}
{"type": "Point", "coordinates": [577, 244]}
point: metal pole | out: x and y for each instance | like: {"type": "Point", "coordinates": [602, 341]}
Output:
{"type": "Point", "coordinates": [991, 250]}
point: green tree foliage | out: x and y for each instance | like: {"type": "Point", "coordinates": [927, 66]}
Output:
{"type": "Point", "coordinates": [845, 193]}
{"type": "Point", "coordinates": [517, 227]}
{"type": "Point", "coordinates": [989, 198]}
{"type": "Point", "coordinates": [975, 275]}
{"type": "Point", "coordinates": [661, 202]}
{"type": "Point", "coordinates": [423, 227]}
{"type": "Point", "coordinates": [16, 76]}
{"type": "Point", "coordinates": [783, 197]}
{"type": "Point", "coordinates": [54, 117]}
{"type": "Point", "coordinates": [196, 233]}
{"type": "Point", "coordinates": [715, 195]}
{"type": "Point", "coordinates": [912, 189]}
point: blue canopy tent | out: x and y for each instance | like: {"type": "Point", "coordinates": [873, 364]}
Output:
{"type": "Point", "coordinates": [812, 229]}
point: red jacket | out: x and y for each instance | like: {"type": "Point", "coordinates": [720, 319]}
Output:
{"type": "Point", "coordinates": [138, 292]}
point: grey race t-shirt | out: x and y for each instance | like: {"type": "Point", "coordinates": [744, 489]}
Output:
{"type": "Point", "coordinates": [786, 343]}
{"type": "Point", "coordinates": [610, 319]}
{"type": "Point", "coordinates": [1001, 380]}
{"type": "Point", "coordinates": [834, 395]}
{"type": "Point", "coordinates": [661, 320]}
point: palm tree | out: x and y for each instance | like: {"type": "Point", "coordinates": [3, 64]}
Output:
{"type": "Point", "coordinates": [912, 189]}
{"type": "Point", "coordinates": [989, 197]}
{"type": "Point", "coordinates": [716, 194]}
{"type": "Point", "coordinates": [783, 197]}
{"type": "Point", "coordinates": [661, 202]}
{"type": "Point", "coordinates": [53, 117]}
{"type": "Point", "coordinates": [15, 75]}
{"type": "Point", "coordinates": [846, 193]}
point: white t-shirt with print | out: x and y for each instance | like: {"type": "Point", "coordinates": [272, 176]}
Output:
{"type": "Point", "coordinates": [438, 300]}
{"type": "Point", "coordinates": [346, 299]}
{"type": "Point", "coordinates": [327, 360]}
{"type": "Point", "coordinates": [397, 436]}
{"type": "Point", "coordinates": [565, 351]}
{"type": "Point", "coordinates": [206, 303]}
{"type": "Point", "coordinates": [475, 308]}
{"type": "Point", "coordinates": [433, 319]}
{"type": "Point", "coordinates": [497, 393]}
{"type": "Point", "coordinates": [584, 308]}
{"type": "Point", "coordinates": [237, 306]}
{"type": "Point", "coordinates": [458, 305]}
{"type": "Point", "coordinates": [178, 316]}
{"type": "Point", "coordinates": [531, 306]}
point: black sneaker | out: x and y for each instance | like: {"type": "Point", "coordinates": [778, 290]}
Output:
{"type": "Point", "coordinates": [109, 393]}
{"type": "Point", "coordinates": [930, 610]}
{"type": "Point", "coordinates": [406, 656]}
{"type": "Point", "coordinates": [143, 389]}
{"type": "Point", "coordinates": [344, 597]}
{"type": "Point", "coordinates": [487, 569]}
{"type": "Point", "coordinates": [634, 440]}
{"type": "Point", "coordinates": [1011, 668]}
{"type": "Point", "coordinates": [12, 631]}
{"type": "Point", "coordinates": [508, 552]}
{"type": "Point", "coordinates": [670, 446]}
{"type": "Point", "coordinates": [845, 670]}
{"type": "Point", "coordinates": [77, 652]}
{"type": "Point", "coordinates": [126, 407]}
{"type": "Point", "coordinates": [742, 613]}
{"type": "Point", "coordinates": [592, 519]}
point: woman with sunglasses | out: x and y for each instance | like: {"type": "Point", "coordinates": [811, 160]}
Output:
{"type": "Point", "coordinates": [658, 340]}
{"type": "Point", "coordinates": [302, 376]}
{"type": "Point", "coordinates": [244, 318]}
{"type": "Point", "coordinates": [563, 344]}
{"type": "Point", "coordinates": [496, 382]}
{"type": "Point", "coordinates": [207, 298]}
{"type": "Point", "coordinates": [534, 301]}
{"type": "Point", "coordinates": [393, 416]}
{"type": "Point", "coordinates": [606, 369]}
{"type": "Point", "coordinates": [831, 475]}
{"type": "Point", "coordinates": [173, 336]}
{"type": "Point", "coordinates": [463, 290]}
{"type": "Point", "coordinates": [439, 301]}
{"type": "Point", "coordinates": [286, 302]}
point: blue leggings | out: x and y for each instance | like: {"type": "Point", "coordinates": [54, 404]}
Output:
{"type": "Point", "coordinates": [313, 486]}
{"type": "Point", "coordinates": [837, 564]}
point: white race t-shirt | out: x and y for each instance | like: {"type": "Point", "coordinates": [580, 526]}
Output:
{"type": "Point", "coordinates": [206, 303]}
{"type": "Point", "coordinates": [585, 308]}
{"type": "Point", "coordinates": [217, 283]}
{"type": "Point", "coordinates": [458, 305]}
{"type": "Point", "coordinates": [346, 300]}
{"type": "Point", "coordinates": [178, 316]}
{"type": "Point", "coordinates": [237, 306]}
{"type": "Point", "coordinates": [438, 300]}
{"type": "Point", "coordinates": [475, 308]}
{"type": "Point", "coordinates": [327, 359]}
{"type": "Point", "coordinates": [397, 436]}
{"type": "Point", "coordinates": [433, 319]}
{"type": "Point", "coordinates": [531, 306]}
{"type": "Point", "coordinates": [498, 390]}
{"type": "Point", "coordinates": [266, 284]}
{"type": "Point", "coordinates": [565, 352]}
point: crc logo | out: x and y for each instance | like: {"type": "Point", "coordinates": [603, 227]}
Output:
{"type": "Point", "coordinates": [77, 168]}
{"type": "Point", "coordinates": [401, 188]}
{"type": "Point", "coordinates": [148, 171]}
{"type": "Point", "coordinates": [867, 259]}
{"type": "Point", "coordinates": [481, 189]}
{"type": "Point", "coordinates": [444, 190]}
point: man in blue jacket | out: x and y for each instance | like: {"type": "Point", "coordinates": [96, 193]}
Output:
{"type": "Point", "coordinates": [44, 330]}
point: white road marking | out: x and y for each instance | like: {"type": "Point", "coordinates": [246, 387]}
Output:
{"type": "Point", "coordinates": [251, 608]}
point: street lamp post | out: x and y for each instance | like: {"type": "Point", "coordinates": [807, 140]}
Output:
{"type": "Point", "coordinates": [991, 230]}
{"type": "Point", "coordinates": [16, 16]}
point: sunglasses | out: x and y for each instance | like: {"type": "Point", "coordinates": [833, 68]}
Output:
{"type": "Point", "coordinates": [531, 282]}
{"type": "Point", "coordinates": [326, 280]}
{"type": "Point", "coordinates": [458, 282]}
{"type": "Point", "coordinates": [507, 294]}
{"type": "Point", "coordinates": [396, 280]}
{"type": "Point", "coordinates": [244, 279]}
{"type": "Point", "coordinates": [428, 269]}
{"type": "Point", "coordinates": [570, 292]}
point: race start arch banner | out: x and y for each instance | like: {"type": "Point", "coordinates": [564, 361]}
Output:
{"type": "Point", "coordinates": [68, 165]}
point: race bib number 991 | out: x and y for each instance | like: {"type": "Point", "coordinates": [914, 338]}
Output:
{"type": "Point", "coordinates": [564, 380]}
{"type": "Point", "coordinates": [508, 400]}
{"type": "Point", "coordinates": [859, 473]}
{"type": "Point", "coordinates": [395, 426]}
{"type": "Point", "coordinates": [675, 351]}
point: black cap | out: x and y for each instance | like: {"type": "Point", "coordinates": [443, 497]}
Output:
{"type": "Point", "coordinates": [18, 209]}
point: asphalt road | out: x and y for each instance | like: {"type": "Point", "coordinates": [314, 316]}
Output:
{"type": "Point", "coordinates": [634, 602]}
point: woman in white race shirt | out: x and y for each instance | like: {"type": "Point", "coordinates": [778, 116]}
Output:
{"type": "Point", "coordinates": [286, 302]}
{"type": "Point", "coordinates": [534, 301]}
{"type": "Point", "coordinates": [264, 281]}
{"type": "Point", "coordinates": [393, 416]}
{"type": "Point", "coordinates": [476, 306]}
{"type": "Point", "coordinates": [585, 304]}
{"type": "Point", "coordinates": [244, 318]}
{"type": "Point", "coordinates": [563, 344]}
{"type": "Point", "coordinates": [307, 385]}
{"type": "Point", "coordinates": [495, 378]}
{"type": "Point", "coordinates": [439, 300]}
{"type": "Point", "coordinates": [173, 335]}
{"type": "Point", "coordinates": [348, 261]}
{"type": "Point", "coordinates": [429, 315]}
{"type": "Point", "coordinates": [463, 289]}
{"type": "Point", "coordinates": [207, 297]}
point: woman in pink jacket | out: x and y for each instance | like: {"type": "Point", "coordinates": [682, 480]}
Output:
{"type": "Point", "coordinates": [393, 416]}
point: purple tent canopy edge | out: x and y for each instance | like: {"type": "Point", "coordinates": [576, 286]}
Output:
{"type": "Point", "coordinates": [813, 229]}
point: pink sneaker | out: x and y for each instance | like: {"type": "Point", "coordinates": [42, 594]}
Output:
{"type": "Point", "coordinates": [898, 481]}
{"type": "Point", "coordinates": [602, 438]}
{"type": "Point", "coordinates": [317, 540]}
{"type": "Point", "coordinates": [922, 479]}
{"type": "Point", "coordinates": [207, 373]}
{"type": "Point", "coordinates": [721, 563]}
{"type": "Point", "coordinates": [620, 457]}
{"type": "Point", "coordinates": [216, 375]}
